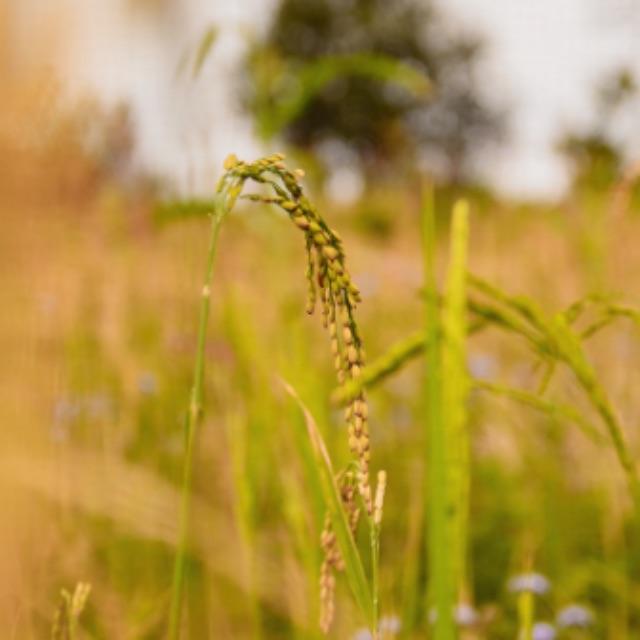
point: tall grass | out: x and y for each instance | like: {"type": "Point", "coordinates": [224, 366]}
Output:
{"type": "Point", "coordinates": [192, 420]}
{"type": "Point", "coordinates": [94, 454]}
{"type": "Point", "coordinates": [447, 459]}
{"type": "Point", "coordinates": [329, 281]}
{"type": "Point", "coordinates": [326, 478]}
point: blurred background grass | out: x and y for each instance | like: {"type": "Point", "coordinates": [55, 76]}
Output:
{"type": "Point", "coordinates": [98, 332]}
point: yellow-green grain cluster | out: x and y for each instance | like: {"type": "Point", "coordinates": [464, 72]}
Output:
{"type": "Point", "coordinates": [330, 285]}
{"type": "Point", "coordinates": [328, 281]}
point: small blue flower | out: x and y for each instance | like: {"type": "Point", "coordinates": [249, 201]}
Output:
{"type": "Point", "coordinates": [543, 631]}
{"type": "Point", "coordinates": [65, 411]}
{"type": "Point", "coordinates": [147, 384]}
{"type": "Point", "coordinates": [389, 624]}
{"type": "Point", "coordinates": [98, 405]}
{"type": "Point", "coordinates": [576, 616]}
{"type": "Point", "coordinates": [362, 634]}
{"type": "Point", "coordinates": [464, 615]}
{"type": "Point", "coordinates": [529, 583]}
{"type": "Point", "coordinates": [482, 366]}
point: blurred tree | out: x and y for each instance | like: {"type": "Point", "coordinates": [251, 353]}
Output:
{"type": "Point", "coordinates": [377, 119]}
{"type": "Point", "coordinates": [594, 154]}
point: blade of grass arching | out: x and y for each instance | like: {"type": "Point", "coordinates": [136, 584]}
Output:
{"type": "Point", "coordinates": [391, 361]}
{"type": "Point", "coordinates": [573, 354]}
{"type": "Point", "coordinates": [192, 420]}
{"type": "Point", "coordinates": [455, 385]}
{"type": "Point", "coordinates": [441, 596]}
{"type": "Point", "coordinates": [207, 41]}
{"type": "Point", "coordinates": [566, 345]}
{"type": "Point", "coordinates": [385, 365]}
{"type": "Point", "coordinates": [312, 77]}
{"type": "Point", "coordinates": [354, 568]}
{"type": "Point", "coordinates": [522, 305]}
{"type": "Point", "coordinates": [572, 314]}
{"type": "Point", "coordinates": [506, 319]}
{"type": "Point", "coordinates": [611, 314]}
{"type": "Point", "coordinates": [552, 409]}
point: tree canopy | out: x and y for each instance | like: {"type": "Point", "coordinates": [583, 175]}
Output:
{"type": "Point", "coordinates": [377, 117]}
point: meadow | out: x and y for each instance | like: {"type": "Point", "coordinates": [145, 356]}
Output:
{"type": "Point", "coordinates": [497, 395]}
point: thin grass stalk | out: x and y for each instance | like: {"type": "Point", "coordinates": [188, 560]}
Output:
{"type": "Point", "coordinates": [191, 426]}
{"type": "Point", "coordinates": [441, 596]}
{"type": "Point", "coordinates": [552, 409]}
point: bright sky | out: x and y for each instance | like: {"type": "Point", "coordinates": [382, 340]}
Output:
{"type": "Point", "coordinates": [543, 60]}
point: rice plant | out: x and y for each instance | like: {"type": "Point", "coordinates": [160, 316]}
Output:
{"type": "Point", "coordinates": [328, 280]}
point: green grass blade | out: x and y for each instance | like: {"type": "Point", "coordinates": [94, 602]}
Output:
{"type": "Point", "coordinates": [399, 354]}
{"type": "Point", "coordinates": [573, 354]}
{"type": "Point", "coordinates": [552, 409]}
{"type": "Point", "coordinates": [455, 390]}
{"type": "Point", "coordinates": [565, 344]}
{"type": "Point", "coordinates": [207, 41]}
{"type": "Point", "coordinates": [354, 568]}
{"type": "Point", "coordinates": [441, 586]}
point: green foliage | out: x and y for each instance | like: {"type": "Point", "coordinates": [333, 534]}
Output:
{"type": "Point", "coordinates": [357, 72]}
{"type": "Point", "coordinates": [448, 459]}
{"type": "Point", "coordinates": [326, 478]}
{"type": "Point", "coordinates": [307, 83]}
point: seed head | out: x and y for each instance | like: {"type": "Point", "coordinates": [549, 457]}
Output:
{"type": "Point", "coordinates": [329, 282]}
{"type": "Point", "coordinates": [329, 252]}
{"type": "Point", "coordinates": [230, 161]}
{"type": "Point", "coordinates": [379, 501]}
{"type": "Point", "coordinates": [301, 222]}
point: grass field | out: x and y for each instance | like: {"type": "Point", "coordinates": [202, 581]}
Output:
{"type": "Point", "coordinates": [502, 343]}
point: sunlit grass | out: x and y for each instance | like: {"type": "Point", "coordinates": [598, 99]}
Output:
{"type": "Point", "coordinates": [99, 351]}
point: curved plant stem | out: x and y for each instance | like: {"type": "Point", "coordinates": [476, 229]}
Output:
{"type": "Point", "coordinates": [191, 426]}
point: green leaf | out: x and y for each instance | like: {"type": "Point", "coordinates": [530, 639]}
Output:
{"type": "Point", "coordinates": [204, 49]}
{"type": "Point", "coordinates": [323, 468]}
{"type": "Point", "coordinates": [312, 77]}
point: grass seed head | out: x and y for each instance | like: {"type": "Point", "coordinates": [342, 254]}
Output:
{"type": "Point", "coordinates": [327, 279]}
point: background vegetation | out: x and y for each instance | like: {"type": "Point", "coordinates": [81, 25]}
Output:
{"type": "Point", "coordinates": [101, 279]}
